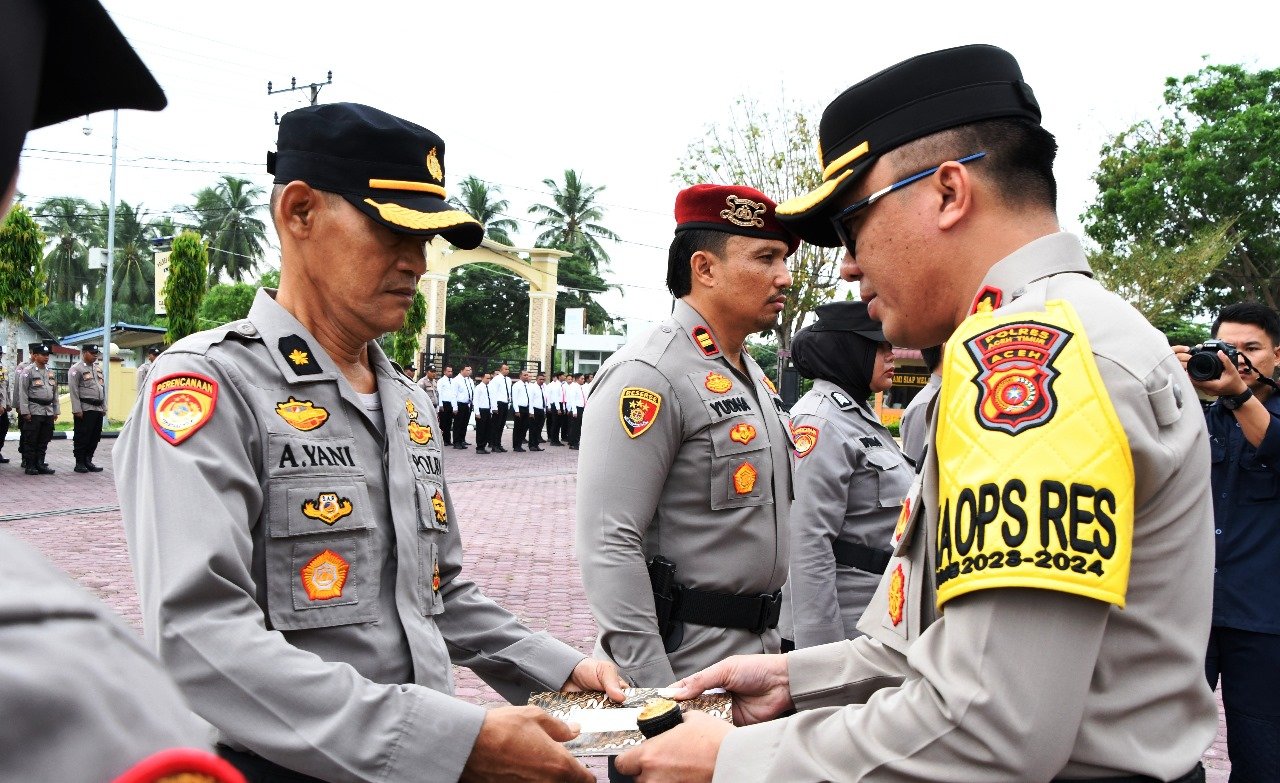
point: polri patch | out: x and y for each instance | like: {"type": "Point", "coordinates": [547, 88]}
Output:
{"type": "Point", "coordinates": [707, 343]}
{"type": "Point", "coordinates": [324, 576]}
{"type": "Point", "coordinates": [638, 410]}
{"type": "Point", "coordinates": [804, 437]}
{"type": "Point", "coordinates": [742, 433]}
{"type": "Point", "coordinates": [298, 354]}
{"type": "Point", "coordinates": [1016, 373]}
{"type": "Point", "coordinates": [327, 507]}
{"type": "Point", "coordinates": [744, 478]}
{"type": "Point", "coordinates": [181, 404]}
{"type": "Point", "coordinates": [717, 383]}
{"type": "Point", "coordinates": [302, 415]}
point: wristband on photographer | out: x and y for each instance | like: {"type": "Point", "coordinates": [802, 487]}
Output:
{"type": "Point", "coordinates": [1232, 402]}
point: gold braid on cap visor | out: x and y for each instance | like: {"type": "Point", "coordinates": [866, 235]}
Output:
{"type": "Point", "coordinates": [420, 221]}
{"type": "Point", "coordinates": [801, 204]}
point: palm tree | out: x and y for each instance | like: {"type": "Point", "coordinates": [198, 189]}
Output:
{"type": "Point", "coordinates": [570, 220]}
{"type": "Point", "coordinates": [66, 227]}
{"type": "Point", "coordinates": [134, 272]}
{"type": "Point", "coordinates": [226, 220]}
{"type": "Point", "coordinates": [480, 201]}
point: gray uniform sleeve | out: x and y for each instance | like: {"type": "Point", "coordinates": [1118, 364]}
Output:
{"type": "Point", "coordinates": [20, 392]}
{"type": "Point", "coordinates": [188, 511]}
{"type": "Point", "coordinates": [821, 488]}
{"type": "Point", "coordinates": [972, 712]}
{"type": "Point", "coordinates": [73, 384]}
{"type": "Point", "coordinates": [620, 481]}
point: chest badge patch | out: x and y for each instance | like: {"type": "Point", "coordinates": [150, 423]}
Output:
{"type": "Point", "coordinates": [181, 404]}
{"type": "Point", "coordinates": [328, 508]}
{"type": "Point", "coordinates": [1015, 374]}
{"type": "Point", "coordinates": [900, 529]}
{"type": "Point", "coordinates": [435, 577]}
{"type": "Point", "coordinates": [302, 415]}
{"type": "Point", "coordinates": [324, 576]}
{"type": "Point", "coordinates": [439, 508]}
{"type": "Point", "coordinates": [742, 433]}
{"type": "Point", "coordinates": [768, 384]}
{"type": "Point", "coordinates": [717, 383]}
{"type": "Point", "coordinates": [418, 433]}
{"type": "Point", "coordinates": [638, 410]}
{"type": "Point", "coordinates": [707, 343]}
{"type": "Point", "coordinates": [744, 478]}
{"type": "Point", "coordinates": [805, 437]}
{"type": "Point", "coordinates": [897, 595]}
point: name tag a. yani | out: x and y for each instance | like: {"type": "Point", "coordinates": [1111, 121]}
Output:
{"type": "Point", "coordinates": [609, 728]}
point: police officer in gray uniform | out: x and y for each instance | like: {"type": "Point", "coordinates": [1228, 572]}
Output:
{"type": "Point", "coordinates": [1046, 611]}
{"type": "Point", "coordinates": [6, 405]}
{"type": "Point", "coordinates": [141, 377]}
{"type": "Point", "coordinates": [88, 406]}
{"type": "Point", "coordinates": [685, 477]}
{"type": "Point", "coordinates": [298, 556]}
{"type": "Point", "coordinates": [850, 477]}
{"type": "Point", "coordinates": [38, 407]}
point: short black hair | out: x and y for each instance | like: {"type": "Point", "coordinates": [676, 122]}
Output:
{"type": "Point", "coordinates": [932, 357]}
{"type": "Point", "coordinates": [1019, 158]}
{"type": "Point", "coordinates": [1253, 313]}
{"type": "Point", "coordinates": [683, 246]}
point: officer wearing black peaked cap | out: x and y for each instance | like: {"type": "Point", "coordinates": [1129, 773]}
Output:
{"type": "Point", "coordinates": [1059, 515]}
{"type": "Point", "coordinates": [66, 661]}
{"type": "Point", "coordinates": [312, 608]}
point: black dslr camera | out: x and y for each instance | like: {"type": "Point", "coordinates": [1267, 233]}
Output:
{"type": "Point", "coordinates": [1204, 364]}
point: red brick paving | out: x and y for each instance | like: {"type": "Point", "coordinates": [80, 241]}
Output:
{"type": "Point", "coordinates": [516, 509]}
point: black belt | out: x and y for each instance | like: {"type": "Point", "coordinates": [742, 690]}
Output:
{"type": "Point", "coordinates": [256, 769]}
{"type": "Point", "coordinates": [863, 558]}
{"type": "Point", "coordinates": [754, 613]}
{"type": "Point", "coordinates": [86, 401]}
{"type": "Point", "coordinates": [1196, 775]}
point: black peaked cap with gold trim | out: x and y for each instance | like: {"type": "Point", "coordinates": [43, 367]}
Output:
{"type": "Point", "coordinates": [388, 168]}
{"type": "Point", "coordinates": [61, 59]}
{"type": "Point", "coordinates": [902, 103]}
{"type": "Point", "coordinates": [847, 316]}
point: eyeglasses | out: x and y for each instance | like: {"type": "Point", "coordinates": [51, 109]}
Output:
{"type": "Point", "coordinates": [840, 220]}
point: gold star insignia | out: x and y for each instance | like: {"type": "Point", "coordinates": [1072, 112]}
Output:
{"type": "Point", "coordinates": [299, 357]}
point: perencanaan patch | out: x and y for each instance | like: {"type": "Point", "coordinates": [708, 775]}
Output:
{"type": "Point", "coordinates": [324, 576]}
{"type": "Point", "coordinates": [638, 410]}
{"type": "Point", "coordinates": [744, 479]}
{"type": "Point", "coordinates": [181, 404]}
{"type": "Point", "coordinates": [1016, 373]}
{"type": "Point", "coordinates": [804, 438]}
{"type": "Point", "coordinates": [742, 433]}
{"type": "Point", "coordinates": [302, 415]}
{"type": "Point", "coordinates": [717, 383]}
{"type": "Point", "coordinates": [327, 507]}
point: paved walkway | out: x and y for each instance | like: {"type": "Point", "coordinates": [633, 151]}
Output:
{"type": "Point", "coordinates": [517, 512]}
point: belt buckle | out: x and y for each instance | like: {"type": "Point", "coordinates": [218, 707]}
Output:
{"type": "Point", "coordinates": [770, 608]}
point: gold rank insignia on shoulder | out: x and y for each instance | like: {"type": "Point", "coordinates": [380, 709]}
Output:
{"type": "Point", "coordinates": [744, 478]}
{"type": "Point", "coordinates": [297, 353]}
{"type": "Point", "coordinates": [328, 508]}
{"type": "Point", "coordinates": [744, 212]}
{"type": "Point", "coordinates": [742, 433]}
{"type": "Point", "coordinates": [433, 166]}
{"type": "Point", "coordinates": [302, 414]}
{"type": "Point", "coordinates": [638, 410]}
{"type": "Point", "coordinates": [804, 437]}
{"type": "Point", "coordinates": [324, 576]}
{"type": "Point", "coordinates": [707, 343]}
{"type": "Point", "coordinates": [897, 595]}
{"type": "Point", "coordinates": [717, 383]}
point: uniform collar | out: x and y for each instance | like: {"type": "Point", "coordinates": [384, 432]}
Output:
{"type": "Point", "coordinates": [1047, 256]}
{"type": "Point", "coordinates": [696, 330]}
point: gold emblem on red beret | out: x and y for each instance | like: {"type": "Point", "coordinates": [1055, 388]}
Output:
{"type": "Point", "coordinates": [744, 212]}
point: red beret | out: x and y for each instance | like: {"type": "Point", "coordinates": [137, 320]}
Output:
{"type": "Point", "coordinates": [733, 209]}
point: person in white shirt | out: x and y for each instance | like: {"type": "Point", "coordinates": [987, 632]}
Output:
{"type": "Point", "coordinates": [520, 407]}
{"type": "Point", "coordinates": [483, 403]}
{"type": "Point", "coordinates": [575, 403]}
{"type": "Point", "coordinates": [500, 395]}
{"type": "Point", "coordinates": [537, 410]}
{"type": "Point", "coordinates": [463, 393]}
{"type": "Point", "coordinates": [448, 396]}
{"type": "Point", "coordinates": [555, 409]}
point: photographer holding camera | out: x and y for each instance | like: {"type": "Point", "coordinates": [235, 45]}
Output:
{"type": "Point", "coordinates": [1238, 366]}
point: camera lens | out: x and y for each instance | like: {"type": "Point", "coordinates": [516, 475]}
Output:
{"type": "Point", "coordinates": [1204, 366]}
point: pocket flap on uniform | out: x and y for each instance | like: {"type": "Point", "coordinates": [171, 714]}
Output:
{"type": "Point", "coordinates": [432, 509]}
{"type": "Point", "coordinates": [1166, 402]}
{"type": "Point", "coordinates": [881, 458]}
{"type": "Point", "coordinates": [301, 508]}
{"type": "Point", "coordinates": [738, 436]}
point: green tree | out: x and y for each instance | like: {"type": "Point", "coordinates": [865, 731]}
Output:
{"type": "Point", "coordinates": [21, 274]}
{"type": "Point", "coordinates": [227, 219]}
{"type": "Point", "coordinates": [1208, 161]}
{"type": "Point", "coordinates": [579, 285]}
{"type": "Point", "coordinates": [1157, 279]}
{"type": "Point", "coordinates": [134, 273]}
{"type": "Point", "coordinates": [226, 302]}
{"type": "Point", "coordinates": [572, 220]}
{"type": "Point", "coordinates": [269, 279]}
{"type": "Point", "coordinates": [185, 287]}
{"type": "Point", "coordinates": [488, 311]}
{"type": "Point", "coordinates": [67, 228]}
{"type": "Point", "coordinates": [770, 150]}
{"type": "Point", "coordinates": [404, 342]}
{"type": "Point", "coordinates": [481, 201]}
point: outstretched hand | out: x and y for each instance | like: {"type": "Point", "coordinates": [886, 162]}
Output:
{"type": "Point", "coordinates": [760, 686]}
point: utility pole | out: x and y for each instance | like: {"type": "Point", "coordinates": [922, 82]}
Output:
{"type": "Point", "coordinates": [314, 87]}
{"type": "Point", "coordinates": [111, 262]}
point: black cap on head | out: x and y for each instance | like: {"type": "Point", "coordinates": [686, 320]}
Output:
{"type": "Point", "coordinates": [40, 348]}
{"type": "Point", "coordinates": [848, 316]}
{"type": "Point", "coordinates": [153, 351]}
{"type": "Point", "coordinates": [90, 348]}
{"type": "Point", "coordinates": [61, 59]}
{"type": "Point", "coordinates": [905, 102]}
{"type": "Point", "coordinates": [390, 169]}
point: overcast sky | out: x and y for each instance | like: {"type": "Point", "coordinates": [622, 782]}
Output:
{"type": "Point", "coordinates": [521, 91]}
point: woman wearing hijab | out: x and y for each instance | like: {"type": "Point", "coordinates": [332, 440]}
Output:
{"type": "Point", "coordinates": [850, 476]}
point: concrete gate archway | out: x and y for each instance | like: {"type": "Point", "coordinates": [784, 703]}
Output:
{"type": "Point", "coordinates": [539, 268]}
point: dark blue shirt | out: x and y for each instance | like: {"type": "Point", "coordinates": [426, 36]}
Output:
{"type": "Point", "coordinates": [1246, 513]}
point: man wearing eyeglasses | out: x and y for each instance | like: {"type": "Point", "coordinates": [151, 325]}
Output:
{"type": "Point", "coordinates": [1045, 612]}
